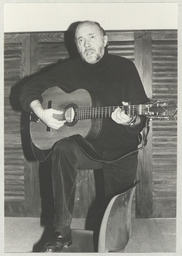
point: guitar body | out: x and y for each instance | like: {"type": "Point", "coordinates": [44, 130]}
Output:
{"type": "Point", "coordinates": [44, 138]}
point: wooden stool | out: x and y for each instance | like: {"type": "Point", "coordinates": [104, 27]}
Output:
{"type": "Point", "coordinates": [115, 229]}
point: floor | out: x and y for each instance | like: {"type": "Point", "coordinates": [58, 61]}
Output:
{"type": "Point", "coordinates": [149, 235]}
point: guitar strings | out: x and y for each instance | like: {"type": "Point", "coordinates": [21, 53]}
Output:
{"type": "Point", "coordinates": [100, 112]}
{"type": "Point", "coordinates": [151, 110]}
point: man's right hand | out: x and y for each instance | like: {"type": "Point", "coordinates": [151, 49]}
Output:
{"type": "Point", "coordinates": [48, 118]}
{"type": "Point", "coordinates": [47, 115]}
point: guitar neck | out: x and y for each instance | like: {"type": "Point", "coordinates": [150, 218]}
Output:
{"type": "Point", "coordinates": [104, 112]}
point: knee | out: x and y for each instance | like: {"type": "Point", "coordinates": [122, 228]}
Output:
{"type": "Point", "coordinates": [63, 146]}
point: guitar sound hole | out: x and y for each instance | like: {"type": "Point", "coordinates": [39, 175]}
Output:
{"type": "Point", "coordinates": [70, 115]}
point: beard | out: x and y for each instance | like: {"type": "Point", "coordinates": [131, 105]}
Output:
{"type": "Point", "coordinates": [91, 55]}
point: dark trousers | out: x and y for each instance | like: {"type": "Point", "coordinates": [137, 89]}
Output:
{"type": "Point", "coordinates": [67, 160]}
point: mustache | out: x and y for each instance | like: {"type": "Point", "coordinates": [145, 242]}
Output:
{"type": "Point", "coordinates": [88, 50]}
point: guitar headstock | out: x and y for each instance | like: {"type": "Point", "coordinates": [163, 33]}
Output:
{"type": "Point", "coordinates": [161, 110]}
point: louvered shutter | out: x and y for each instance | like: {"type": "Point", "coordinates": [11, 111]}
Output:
{"type": "Point", "coordinates": [164, 134]}
{"type": "Point", "coordinates": [50, 48]}
{"type": "Point", "coordinates": [15, 65]}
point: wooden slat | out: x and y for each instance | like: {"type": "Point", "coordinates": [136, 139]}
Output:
{"type": "Point", "coordinates": [120, 36]}
{"type": "Point", "coordinates": [168, 35]}
{"type": "Point", "coordinates": [14, 38]}
{"type": "Point", "coordinates": [144, 203]}
{"type": "Point", "coordinates": [33, 52]}
{"type": "Point", "coordinates": [51, 37]}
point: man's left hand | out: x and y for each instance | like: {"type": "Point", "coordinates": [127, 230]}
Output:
{"type": "Point", "coordinates": [120, 117]}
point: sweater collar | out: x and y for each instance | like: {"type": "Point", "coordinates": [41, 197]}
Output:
{"type": "Point", "coordinates": [98, 64]}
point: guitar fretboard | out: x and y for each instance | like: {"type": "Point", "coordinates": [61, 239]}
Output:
{"type": "Point", "coordinates": [104, 112]}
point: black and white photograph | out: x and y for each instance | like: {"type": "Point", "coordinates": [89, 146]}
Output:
{"type": "Point", "coordinates": [91, 123]}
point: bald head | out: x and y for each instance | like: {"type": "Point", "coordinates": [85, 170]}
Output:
{"type": "Point", "coordinates": [92, 23]}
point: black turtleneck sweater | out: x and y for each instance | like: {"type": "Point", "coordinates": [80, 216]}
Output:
{"type": "Point", "coordinates": [113, 79]}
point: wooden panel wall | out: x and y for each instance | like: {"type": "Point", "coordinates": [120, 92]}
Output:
{"type": "Point", "coordinates": [26, 187]}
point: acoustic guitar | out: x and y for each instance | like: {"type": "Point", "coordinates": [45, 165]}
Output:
{"type": "Point", "coordinates": [84, 115]}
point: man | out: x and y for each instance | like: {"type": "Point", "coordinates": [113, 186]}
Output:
{"type": "Point", "coordinates": [115, 81]}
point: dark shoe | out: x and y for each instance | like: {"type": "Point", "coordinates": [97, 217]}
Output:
{"type": "Point", "coordinates": [57, 243]}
